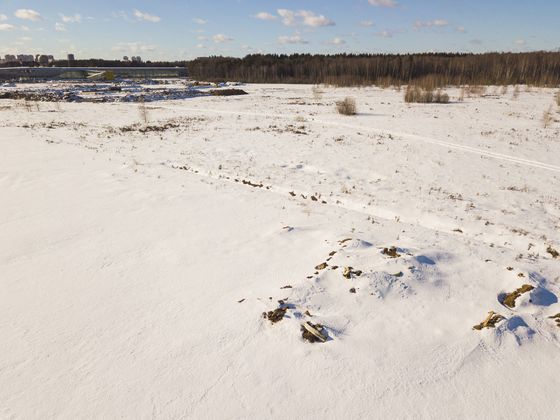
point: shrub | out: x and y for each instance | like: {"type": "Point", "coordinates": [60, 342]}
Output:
{"type": "Point", "coordinates": [441, 97]}
{"type": "Point", "coordinates": [346, 107]}
{"type": "Point", "coordinates": [415, 94]}
{"type": "Point", "coordinates": [547, 117]}
{"type": "Point", "coordinates": [317, 93]}
{"type": "Point", "coordinates": [557, 97]}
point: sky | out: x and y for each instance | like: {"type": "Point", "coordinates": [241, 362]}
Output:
{"type": "Point", "coordinates": [185, 29]}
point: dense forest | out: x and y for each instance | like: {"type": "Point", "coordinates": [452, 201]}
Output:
{"type": "Point", "coordinates": [430, 69]}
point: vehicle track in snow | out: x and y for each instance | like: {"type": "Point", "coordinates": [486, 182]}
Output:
{"type": "Point", "coordinates": [401, 135]}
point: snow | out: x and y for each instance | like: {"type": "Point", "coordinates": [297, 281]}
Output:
{"type": "Point", "coordinates": [136, 265]}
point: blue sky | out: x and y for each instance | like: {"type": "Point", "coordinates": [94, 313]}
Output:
{"type": "Point", "coordinates": [190, 28]}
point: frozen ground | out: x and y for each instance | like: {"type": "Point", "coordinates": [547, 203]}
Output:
{"type": "Point", "coordinates": [137, 258]}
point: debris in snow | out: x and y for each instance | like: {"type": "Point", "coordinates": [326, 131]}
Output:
{"type": "Point", "coordinates": [391, 252]}
{"type": "Point", "coordinates": [313, 332]}
{"type": "Point", "coordinates": [321, 266]}
{"type": "Point", "coordinates": [509, 300]}
{"type": "Point", "coordinates": [490, 322]}
{"type": "Point", "coordinates": [556, 318]}
{"type": "Point", "coordinates": [552, 252]}
{"type": "Point", "coordinates": [276, 315]}
{"type": "Point", "coordinates": [349, 272]}
{"type": "Point", "coordinates": [352, 290]}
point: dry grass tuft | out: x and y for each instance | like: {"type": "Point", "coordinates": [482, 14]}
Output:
{"type": "Point", "coordinates": [557, 98]}
{"type": "Point", "coordinates": [346, 107]}
{"type": "Point", "coordinates": [547, 117]}
{"type": "Point", "coordinates": [510, 299]}
{"type": "Point", "coordinates": [142, 110]}
{"type": "Point", "coordinates": [490, 321]}
{"type": "Point", "coordinates": [516, 92]}
{"type": "Point", "coordinates": [317, 93]}
{"type": "Point", "coordinates": [415, 94]}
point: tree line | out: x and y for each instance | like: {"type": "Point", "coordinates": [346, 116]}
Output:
{"type": "Point", "coordinates": [429, 69]}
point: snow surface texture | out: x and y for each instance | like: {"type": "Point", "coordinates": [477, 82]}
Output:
{"type": "Point", "coordinates": [137, 257]}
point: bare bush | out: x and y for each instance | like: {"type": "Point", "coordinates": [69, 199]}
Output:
{"type": "Point", "coordinates": [547, 118]}
{"type": "Point", "coordinates": [557, 97]}
{"type": "Point", "coordinates": [441, 97]}
{"type": "Point", "coordinates": [142, 110]}
{"type": "Point", "coordinates": [317, 93]}
{"type": "Point", "coordinates": [476, 90]}
{"type": "Point", "coordinates": [516, 92]}
{"type": "Point", "coordinates": [461, 96]}
{"type": "Point", "coordinates": [415, 94]}
{"type": "Point", "coordinates": [347, 106]}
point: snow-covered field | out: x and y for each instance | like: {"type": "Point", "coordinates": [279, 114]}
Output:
{"type": "Point", "coordinates": [137, 258]}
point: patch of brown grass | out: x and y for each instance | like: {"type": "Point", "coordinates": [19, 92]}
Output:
{"type": "Point", "coordinates": [490, 321]}
{"type": "Point", "coordinates": [347, 106]}
{"type": "Point", "coordinates": [510, 299]}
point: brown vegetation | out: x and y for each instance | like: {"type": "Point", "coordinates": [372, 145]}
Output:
{"type": "Point", "coordinates": [346, 107]}
{"type": "Point", "coordinates": [509, 300]}
{"type": "Point", "coordinates": [415, 94]}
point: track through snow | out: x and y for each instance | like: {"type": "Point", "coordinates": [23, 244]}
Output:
{"type": "Point", "coordinates": [135, 268]}
{"type": "Point", "coordinates": [404, 136]}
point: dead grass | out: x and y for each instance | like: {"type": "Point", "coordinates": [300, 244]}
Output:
{"type": "Point", "coordinates": [317, 93]}
{"type": "Point", "coordinates": [557, 98]}
{"type": "Point", "coordinates": [510, 299]}
{"type": "Point", "coordinates": [347, 106]}
{"type": "Point", "coordinates": [142, 110]}
{"type": "Point", "coordinates": [415, 94]}
{"type": "Point", "coordinates": [547, 117]}
{"type": "Point", "coordinates": [476, 91]}
{"type": "Point", "coordinates": [490, 321]}
{"type": "Point", "coordinates": [553, 252]}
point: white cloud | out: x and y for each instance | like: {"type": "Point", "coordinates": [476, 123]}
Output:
{"type": "Point", "coordinates": [71, 19]}
{"type": "Point", "coordinates": [288, 17]}
{"type": "Point", "coordinates": [367, 23]}
{"type": "Point", "coordinates": [294, 39]}
{"type": "Point", "coordinates": [437, 23]}
{"type": "Point", "coordinates": [25, 39]}
{"type": "Point", "coordinates": [146, 16]}
{"type": "Point", "coordinates": [133, 47]}
{"type": "Point", "coordinates": [3, 17]}
{"type": "Point", "coordinates": [311, 19]}
{"type": "Point", "coordinates": [28, 14]}
{"type": "Point", "coordinates": [6, 27]}
{"type": "Point", "coordinates": [520, 42]}
{"type": "Point", "coordinates": [383, 3]}
{"type": "Point", "coordinates": [202, 38]}
{"type": "Point", "coordinates": [24, 28]}
{"type": "Point", "coordinates": [461, 29]}
{"type": "Point", "coordinates": [303, 17]}
{"type": "Point", "coordinates": [221, 38]}
{"type": "Point", "coordinates": [385, 34]}
{"type": "Point", "coordinates": [59, 27]}
{"type": "Point", "coordinates": [336, 41]}
{"type": "Point", "coordinates": [265, 16]}
{"type": "Point", "coordinates": [200, 21]}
